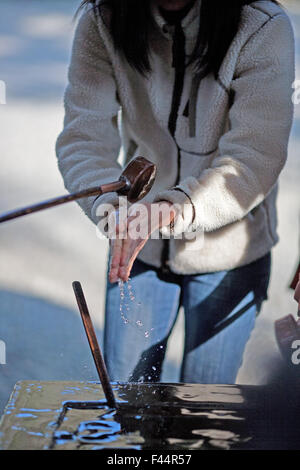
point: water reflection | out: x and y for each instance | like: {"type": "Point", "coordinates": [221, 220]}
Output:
{"type": "Point", "coordinates": [68, 415]}
{"type": "Point", "coordinates": [164, 416]}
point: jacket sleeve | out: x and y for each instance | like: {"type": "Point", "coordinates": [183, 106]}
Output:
{"type": "Point", "coordinates": [253, 151]}
{"type": "Point", "coordinates": [88, 147]}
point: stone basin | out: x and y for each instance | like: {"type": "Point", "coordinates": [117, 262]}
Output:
{"type": "Point", "coordinates": [73, 415]}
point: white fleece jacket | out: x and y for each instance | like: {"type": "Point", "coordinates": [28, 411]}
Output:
{"type": "Point", "coordinates": [233, 144]}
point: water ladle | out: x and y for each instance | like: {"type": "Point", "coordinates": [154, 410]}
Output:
{"type": "Point", "coordinates": [135, 182]}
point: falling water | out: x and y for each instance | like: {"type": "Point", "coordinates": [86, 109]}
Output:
{"type": "Point", "coordinates": [125, 306]}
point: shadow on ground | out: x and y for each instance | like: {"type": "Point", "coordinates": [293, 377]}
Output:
{"type": "Point", "coordinates": [43, 341]}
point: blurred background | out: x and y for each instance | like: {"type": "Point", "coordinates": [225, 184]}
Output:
{"type": "Point", "coordinates": [42, 254]}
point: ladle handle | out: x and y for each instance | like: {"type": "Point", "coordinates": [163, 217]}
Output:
{"type": "Point", "coordinates": [93, 342]}
{"type": "Point", "coordinates": [96, 191]}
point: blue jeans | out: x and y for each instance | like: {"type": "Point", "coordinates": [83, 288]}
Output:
{"type": "Point", "coordinates": [220, 310]}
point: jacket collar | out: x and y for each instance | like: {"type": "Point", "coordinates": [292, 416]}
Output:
{"type": "Point", "coordinates": [190, 22]}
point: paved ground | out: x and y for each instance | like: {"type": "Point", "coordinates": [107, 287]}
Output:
{"type": "Point", "coordinates": [41, 255]}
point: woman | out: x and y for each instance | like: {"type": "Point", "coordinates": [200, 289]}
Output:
{"type": "Point", "coordinates": [205, 92]}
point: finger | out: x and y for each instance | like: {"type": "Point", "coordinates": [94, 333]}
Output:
{"type": "Point", "coordinates": [133, 245]}
{"type": "Point", "coordinates": [116, 253]}
{"type": "Point", "coordinates": [127, 246]}
{"type": "Point", "coordinates": [135, 248]}
{"type": "Point", "coordinates": [115, 260]}
{"type": "Point", "coordinates": [127, 252]}
{"type": "Point", "coordinates": [121, 236]}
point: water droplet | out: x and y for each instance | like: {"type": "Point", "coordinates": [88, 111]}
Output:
{"type": "Point", "coordinates": [130, 290]}
{"type": "Point", "coordinates": [127, 296]}
{"type": "Point", "coordinates": [153, 367]}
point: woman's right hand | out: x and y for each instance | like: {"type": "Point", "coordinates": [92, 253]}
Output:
{"type": "Point", "coordinates": [128, 243]}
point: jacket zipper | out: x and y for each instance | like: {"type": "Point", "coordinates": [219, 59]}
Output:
{"type": "Point", "coordinates": [179, 66]}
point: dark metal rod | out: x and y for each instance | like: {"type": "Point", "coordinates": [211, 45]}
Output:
{"type": "Point", "coordinates": [95, 348]}
{"type": "Point", "coordinates": [96, 191]}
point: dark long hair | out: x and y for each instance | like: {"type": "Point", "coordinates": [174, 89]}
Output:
{"type": "Point", "coordinates": [130, 22]}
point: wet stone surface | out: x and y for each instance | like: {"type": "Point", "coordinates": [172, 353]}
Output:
{"type": "Point", "coordinates": [74, 415]}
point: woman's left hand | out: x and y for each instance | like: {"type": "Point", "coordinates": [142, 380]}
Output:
{"type": "Point", "coordinates": [132, 235]}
